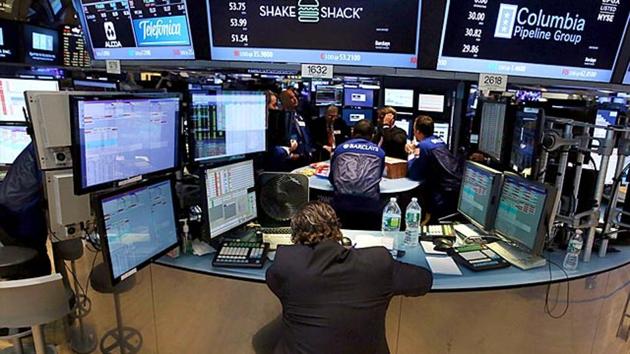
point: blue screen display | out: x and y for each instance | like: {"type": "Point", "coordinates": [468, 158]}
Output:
{"type": "Point", "coordinates": [124, 138]}
{"type": "Point", "coordinates": [139, 224]}
{"type": "Point", "coordinates": [358, 98]}
{"type": "Point", "coordinates": [352, 116]}
{"type": "Point", "coordinates": [137, 30]}
{"type": "Point", "coordinates": [571, 40]}
{"type": "Point", "coordinates": [476, 194]}
{"type": "Point", "coordinates": [349, 32]}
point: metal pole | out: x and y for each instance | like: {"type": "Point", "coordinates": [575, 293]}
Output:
{"type": "Point", "coordinates": [119, 324]}
{"type": "Point", "coordinates": [38, 339]}
{"type": "Point", "coordinates": [599, 192]}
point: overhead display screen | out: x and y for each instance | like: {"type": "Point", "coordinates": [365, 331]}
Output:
{"type": "Point", "coordinates": [73, 44]}
{"type": "Point", "coordinates": [41, 45]}
{"type": "Point", "coordinates": [137, 29]}
{"type": "Point", "coordinates": [562, 39]}
{"type": "Point", "coordinates": [349, 32]}
{"type": "Point", "coordinates": [9, 41]}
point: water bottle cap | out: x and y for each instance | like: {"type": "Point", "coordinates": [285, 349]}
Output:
{"type": "Point", "coordinates": [414, 199]}
{"type": "Point", "coordinates": [392, 199]}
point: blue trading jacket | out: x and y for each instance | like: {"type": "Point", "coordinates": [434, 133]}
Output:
{"type": "Point", "coordinates": [356, 169]}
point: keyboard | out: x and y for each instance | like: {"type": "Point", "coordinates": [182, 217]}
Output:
{"type": "Point", "coordinates": [517, 257]}
{"type": "Point", "coordinates": [468, 231]}
{"type": "Point", "coordinates": [431, 231]}
{"type": "Point", "coordinates": [241, 254]}
{"type": "Point", "coordinates": [276, 236]}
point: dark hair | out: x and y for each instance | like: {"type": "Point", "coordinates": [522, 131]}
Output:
{"type": "Point", "coordinates": [363, 129]}
{"type": "Point", "coordinates": [314, 223]}
{"type": "Point", "coordinates": [424, 125]}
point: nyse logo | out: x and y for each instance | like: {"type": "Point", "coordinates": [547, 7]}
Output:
{"type": "Point", "coordinates": [505, 21]}
{"type": "Point", "coordinates": [110, 31]}
{"type": "Point", "coordinates": [308, 11]}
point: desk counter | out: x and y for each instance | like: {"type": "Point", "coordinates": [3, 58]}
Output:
{"type": "Point", "coordinates": [511, 277]}
{"type": "Point", "coordinates": [388, 186]}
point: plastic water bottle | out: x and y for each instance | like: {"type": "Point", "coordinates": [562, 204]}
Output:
{"type": "Point", "coordinates": [391, 216]}
{"type": "Point", "coordinates": [573, 251]}
{"type": "Point", "coordinates": [412, 223]}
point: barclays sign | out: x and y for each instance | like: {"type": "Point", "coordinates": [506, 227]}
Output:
{"type": "Point", "coordinates": [162, 31]}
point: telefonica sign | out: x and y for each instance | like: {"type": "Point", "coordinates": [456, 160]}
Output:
{"type": "Point", "coordinates": [525, 23]}
{"type": "Point", "coordinates": [162, 31]}
{"type": "Point", "coordinates": [310, 11]}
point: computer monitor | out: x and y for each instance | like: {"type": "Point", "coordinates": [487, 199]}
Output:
{"type": "Point", "coordinates": [525, 211]}
{"type": "Point", "coordinates": [479, 194]}
{"type": "Point", "coordinates": [227, 123]}
{"type": "Point", "coordinates": [406, 125]}
{"type": "Point", "coordinates": [231, 197]}
{"type": "Point", "coordinates": [442, 130]}
{"type": "Point", "coordinates": [358, 98]}
{"type": "Point", "coordinates": [138, 224]}
{"type": "Point", "coordinates": [528, 129]}
{"type": "Point", "coordinates": [352, 116]}
{"type": "Point", "coordinates": [12, 96]}
{"type": "Point", "coordinates": [123, 138]}
{"type": "Point", "coordinates": [492, 128]}
{"type": "Point", "coordinates": [399, 98]}
{"type": "Point", "coordinates": [41, 45]}
{"type": "Point", "coordinates": [94, 85]}
{"type": "Point", "coordinates": [13, 140]}
{"type": "Point", "coordinates": [326, 95]}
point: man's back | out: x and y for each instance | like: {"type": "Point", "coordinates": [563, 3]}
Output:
{"type": "Point", "coordinates": [357, 168]}
{"type": "Point", "coordinates": [335, 300]}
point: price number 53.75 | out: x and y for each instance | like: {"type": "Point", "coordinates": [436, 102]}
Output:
{"type": "Point", "coordinates": [237, 6]}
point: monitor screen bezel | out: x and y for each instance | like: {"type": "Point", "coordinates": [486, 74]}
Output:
{"type": "Point", "coordinates": [14, 124]}
{"type": "Point", "coordinates": [350, 103]}
{"type": "Point", "coordinates": [103, 233]}
{"type": "Point", "coordinates": [545, 221]}
{"type": "Point", "coordinates": [75, 149]}
{"type": "Point", "coordinates": [204, 173]}
{"type": "Point", "coordinates": [192, 142]}
{"type": "Point", "coordinates": [495, 192]}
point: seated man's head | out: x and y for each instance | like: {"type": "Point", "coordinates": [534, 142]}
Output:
{"type": "Point", "coordinates": [387, 116]}
{"type": "Point", "coordinates": [423, 127]}
{"type": "Point", "coordinates": [364, 129]}
{"type": "Point", "coordinates": [314, 223]}
{"type": "Point", "coordinates": [332, 113]}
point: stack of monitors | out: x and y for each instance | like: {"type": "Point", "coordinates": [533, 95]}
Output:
{"type": "Point", "coordinates": [228, 123]}
{"type": "Point", "coordinates": [117, 139]}
{"type": "Point", "coordinates": [137, 30]}
{"type": "Point", "coordinates": [323, 32]}
{"type": "Point", "coordinates": [75, 53]}
{"type": "Point", "coordinates": [572, 40]}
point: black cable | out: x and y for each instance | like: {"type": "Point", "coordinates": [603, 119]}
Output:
{"type": "Point", "coordinates": [616, 182]}
{"type": "Point", "coordinates": [549, 310]}
{"type": "Point", "coordinates": [591, 159]}
{"type": "Point", "coordinates": [87, 281]}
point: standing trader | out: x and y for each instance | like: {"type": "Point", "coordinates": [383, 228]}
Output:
{"type": "Point", "coordinates": [332, 302]}
{"type": "Point", "coordinates": [356, 170]}
{"type": "Point", "coordinates": [297, 136]}
{"type": "Point", "coordinates": [439, 170]}
{"type": "Point", "coordinates": [329, 132]}
{"type": "Point", "coordinates": [389, 137]}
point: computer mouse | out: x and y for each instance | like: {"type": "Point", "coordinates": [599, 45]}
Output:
{"type": "Point", "coordinates": [442, 244]}
{"type": "Point", "coordinates": [346, 242]}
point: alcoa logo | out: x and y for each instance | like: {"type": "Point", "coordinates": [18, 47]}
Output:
{"type": "Point", "coordinates": [308, 11]}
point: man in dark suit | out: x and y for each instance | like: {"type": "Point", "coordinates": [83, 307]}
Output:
{"type": "Point", "coordinates": [334, 298]}
{"type": "Point", "coordinates": [329, 132]}
{"type": "Point", "coordinates": [389, 137]}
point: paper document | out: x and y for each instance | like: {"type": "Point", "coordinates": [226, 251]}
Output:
{"type": "Point", "coordinates": [365, 241]}
{"type": "Point", "coordinates": [443, 265]}
{"type": "Point", "coordinates": [429, 248]}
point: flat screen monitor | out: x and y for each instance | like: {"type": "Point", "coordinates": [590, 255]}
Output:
{"type": "Point", "coordinates": [525, 211]}
{"type": "Point", "coordinates": [94, 85]}
{"type": "Point", "coordinates": [571, 40]}
{"type": "Point", "coordinates": [138, 225]}
{"type": "Point", "coordinates": [118, 138]}
{"type": "Point", "coordinates": [352, 116]}
{"type": "Point", "coordinates": [335, 32]}
{"type": "Point", "coordinates": [528, 127]}
{"type": "Point", "coordinates": [9, 41]}
{"type": "Point", "coordinates": [326, 95]}
{"type": "Point", "coordinates": [56, 6]}
{"type": "Point", "coordinates": [431, 103]}
{"type": "Point", "coordinates": [41, 45]}
{"type": "Point", "coordinates": [74, 52]}
{"type": "Point", "coordinates": [478, 197]}
{"type": "Point", "coordinates": [137, 30]}
{"type": "Point", "coordinates": [231, 197]}
{"type": "Point", "coordinates": [228, 123]}
{"type": "Point", "coordinates": [13, 140]}
{"type": "Point", "coordinates": [399, 98]}
{"type": "Point", "coordinates": [358, 98]}
{"type": "Point", "coordinates": [406, 125]}
{"type": "Point", "coordinates": [492, 128]}
{"type": "Point", "coordinates": [443, 131]}
{"type": "Point", "coordinates": [12, 102]}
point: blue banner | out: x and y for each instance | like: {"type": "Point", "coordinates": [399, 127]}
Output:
{"type": "Point", "coordinates": [162, 31]}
